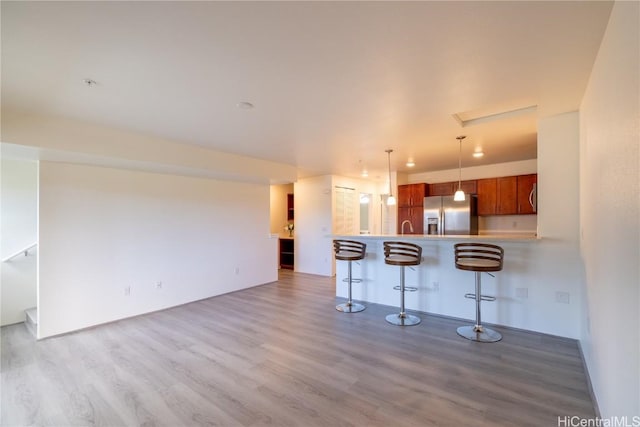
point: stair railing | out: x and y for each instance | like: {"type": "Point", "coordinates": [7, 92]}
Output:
{"type": "Point", "coordinates": [24, 251]}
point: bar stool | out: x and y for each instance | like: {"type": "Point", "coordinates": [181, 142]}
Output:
{"type": "Point", "coordinates": [479, 258]}
{"type": "Point", "coordinates": [402, 254]}
{"type": "Point", "coordinates": [350, 250]}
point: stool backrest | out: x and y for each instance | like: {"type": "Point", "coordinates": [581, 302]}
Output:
{"type": "Point", "coordinates": [349, 249]}
{"type": "Point", "coordinates": [478, 256]}
{"type": "Point", "coordinates": [402, 253]}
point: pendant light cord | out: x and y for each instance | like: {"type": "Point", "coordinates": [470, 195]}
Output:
{"type": "Point", "coordinates": [389, 163]}
{"type": "Point", "coordinates": [460, 165]}
{"type": "Point", "coordinates": [460, 138]}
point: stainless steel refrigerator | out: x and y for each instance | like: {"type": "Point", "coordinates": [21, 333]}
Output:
{"type": "Point", "coordinates": [443, 215]}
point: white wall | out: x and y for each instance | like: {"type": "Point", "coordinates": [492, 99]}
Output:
{"type": "Point", "coordinates": [278, 206]}
{"type": "Point", "coordinates": [19, 204]}
{"type": "Point", "coordinates": [18, 210]}
{"type": "Point", "coordinates": [313, 242]}
{"type": "Point", "coordinates": [610, 215]}
{"type": "Point", "coordinates": [363, 186]}
{"type": "Point", "coordinates": [102, 230]}
{"type": "Point", "coordinates": [66, 140]}
{"type": "Point", "coordinates": [314, 219]}
{"type": "Point", "coordinates": [558, 266]}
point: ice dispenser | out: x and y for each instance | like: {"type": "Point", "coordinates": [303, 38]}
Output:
{"type": "Point", "coordinates": [432, 225]}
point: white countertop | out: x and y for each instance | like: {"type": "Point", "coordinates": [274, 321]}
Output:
{"type": "Point", "coordinates": [423, 237]}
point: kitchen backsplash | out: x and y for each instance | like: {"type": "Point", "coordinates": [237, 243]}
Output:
{"type": "Point", "coordinates": [508, 224]}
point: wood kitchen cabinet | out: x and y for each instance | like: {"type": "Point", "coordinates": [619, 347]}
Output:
{"type": "Point", "coordinates": [286, 254]}
{"type": "Point", "coordinates": [442, 189]}
{"type": "Point", "coordinates": [449, 188]}
{"type": "Point", "coordinates": [487, 196]}
{"type": "Point", "coordinates": [527, 194]}
{"type": "Point", "coordinates": [509, 195]}
{"type": "Point", "coordinates": [469, 186]}
{"type": "Point", "coordinates": [415, 216]}
{"type": "Point", "coordinates": [506, 195]}
{"type": "Point", "coordinates": [410, 207]}
{"type": "Point", "coordinates": [411, 195]}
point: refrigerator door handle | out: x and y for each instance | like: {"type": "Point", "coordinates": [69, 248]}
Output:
{"type": "Point", "coordinates": [442, 221]}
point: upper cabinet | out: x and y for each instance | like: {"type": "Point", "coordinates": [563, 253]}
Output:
{"type": "Point", "coordinates": [469, 187]}
{"type": "Point", "coordinates": [449, 188]}
{"type": "Point", "coordinates": [507, 198]}
{"type": "Point", "coordinates": [510, 195]}
{"type": "Point", "coordinates": [487, 196]}
{"type": "Point", "coordinates": [527, 194]}
{"type": "Point", "coordinates": [441, 189]}
{"type": "Point", "coordinates": [411, 195]}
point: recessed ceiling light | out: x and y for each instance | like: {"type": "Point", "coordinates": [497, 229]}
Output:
{"type": "Point", "coordinates": [364, 174]}
{"type": "Point", "coordinates": [245, 105]}
{"type": "Point", "coordinates": [410, 163]}
{"type": "Point", "coordinates": [478, 154]}
{"type": "Point", "coordinates": [89, 82]}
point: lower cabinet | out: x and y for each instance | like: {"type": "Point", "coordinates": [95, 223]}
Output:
{"type": "Point", "coordinates": [286, 254]}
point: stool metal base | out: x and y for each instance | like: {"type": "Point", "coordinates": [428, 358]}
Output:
{"type": "Point", "coordinates": [402, 319]}
{"type": "Point", "coordinates": [479, 333]}
{"type": "Point", "coordinates": [350, 308]}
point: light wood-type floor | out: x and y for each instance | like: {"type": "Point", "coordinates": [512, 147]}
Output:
{"type": "Point", "coordinates": [280, 354]}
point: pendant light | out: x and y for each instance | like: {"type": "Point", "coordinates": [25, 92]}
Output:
{"type": "Point", "coordinates": [459, 196]}
{"type": "Point", "coordinates": [391, 201]}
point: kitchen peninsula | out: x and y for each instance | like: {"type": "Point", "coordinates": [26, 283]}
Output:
{"type": "Point", "coordinates": [441, 287]}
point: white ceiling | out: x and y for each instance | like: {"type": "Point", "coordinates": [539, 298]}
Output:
{"type": "Point", "coordinates": [334, 84]}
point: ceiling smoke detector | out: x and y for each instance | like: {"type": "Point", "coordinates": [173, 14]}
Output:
{"type": "Point", "coordinates": [89, 82]}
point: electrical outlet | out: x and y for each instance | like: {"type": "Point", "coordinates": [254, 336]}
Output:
{"type": "Point", "coordinates": [436, 286]}
{"type": "Point", "coordinates": [522, 293]}
{"type": "Point", "coordinates": [562, 297]}
{"type": "Point", "coordinates": [127, 290]}
{"type": "Point", "coordinates": [158, 285]}
{"type": "Point", "coordinates": [237, 270]}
